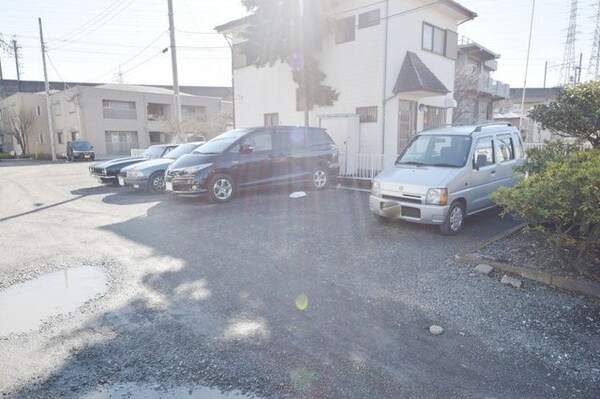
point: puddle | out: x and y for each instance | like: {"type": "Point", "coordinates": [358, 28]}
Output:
{"type": "Point", "coordinates": [25, 306]}
{"type": "Point", "coordinates": [152, 392]}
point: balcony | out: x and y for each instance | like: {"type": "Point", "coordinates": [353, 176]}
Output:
{"type": "Point", "coordinates": [157, 112]}
{"type": "Point", "coordinates": [495, 88]}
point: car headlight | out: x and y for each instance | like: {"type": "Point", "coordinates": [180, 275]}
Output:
{"type": "Point", "coordinates": [135, 173]}
{"type": "Point", "coordinates": [194, 169]}
{"type": "Point", "coordinates": [376, 188]}
{"type": "Point", "coordinates": [437, 196]}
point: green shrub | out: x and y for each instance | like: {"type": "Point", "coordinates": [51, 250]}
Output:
{"type": "Point", "coordinates": [562, 200]}
{"type": "Point", "coordinates": [538, 158]}
{"type": "Point", "coordinates": [5, 155]}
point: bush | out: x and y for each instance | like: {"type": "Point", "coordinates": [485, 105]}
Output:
{"type": "Point", "coordinates": [538, 158]}
{"type": "Point", "coordinates": [5, 155]}
{"type": "Point", "coordinates": [562, 200]}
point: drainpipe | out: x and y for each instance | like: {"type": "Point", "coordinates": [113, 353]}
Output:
{"type": "Point", "coordinates": [384, 83]}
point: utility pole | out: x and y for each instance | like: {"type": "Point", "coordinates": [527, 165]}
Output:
{"type": "Point", "coordinates": [48, 101]}
{"type": "Point", "coordinates": [545, 72]}
{"type": "Point", "coordinates": [178, 117]}
{"type": "Point", "coordinates": [16, 53]}
{"type": "Point", "coordinates": [526, 70]}
{"type": "Point", "coordinates": [304, 74]}
{"type": "Point", "coordinates": [230, 42]}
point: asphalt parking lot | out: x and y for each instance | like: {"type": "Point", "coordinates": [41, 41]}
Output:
{"type": "Point", "coordinates": [275, 297]}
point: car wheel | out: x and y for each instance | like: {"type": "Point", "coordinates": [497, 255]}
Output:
{"type": "Point", "coordinates": [454, 219]}
{"type": "Point", "coordinates": [221, 188]}
{"type": "Point", "coordinates": [156, 183]}
{"type": "Point", "coordinates": [319, 179]}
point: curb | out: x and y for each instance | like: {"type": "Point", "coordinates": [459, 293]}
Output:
{"type": "Point", "coordinates": [553, 280]}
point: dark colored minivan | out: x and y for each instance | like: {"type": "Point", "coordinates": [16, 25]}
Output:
{"type": "Point", "coordinates": [244, 158]}
{"type": "Point", "coordinates": [82, 150]}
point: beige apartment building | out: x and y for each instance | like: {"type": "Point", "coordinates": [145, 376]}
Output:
{"type": "Point", "coordinates": [115, 118]}
{"type": "Point", "coordinates": [24, 110]}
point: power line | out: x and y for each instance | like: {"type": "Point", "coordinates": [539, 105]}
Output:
{"type": "Point", "coordinates": [64, 42]}
{"type": "Point", "coordinates": [90, 22]}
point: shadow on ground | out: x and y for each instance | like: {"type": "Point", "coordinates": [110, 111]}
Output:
{"type": "Point", "coordinates": [287, 297]}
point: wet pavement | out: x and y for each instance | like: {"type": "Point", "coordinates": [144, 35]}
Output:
{"type": "Point", "coordinates": [27, 305]}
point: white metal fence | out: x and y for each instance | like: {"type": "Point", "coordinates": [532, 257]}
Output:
{"type": "Point", "coordinates": [364, 166]}
{"type": "Point", "coordinates": [136, 152]}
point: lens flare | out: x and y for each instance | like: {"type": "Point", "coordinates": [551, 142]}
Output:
{"type": "Point", "coordinates": [302, 302]}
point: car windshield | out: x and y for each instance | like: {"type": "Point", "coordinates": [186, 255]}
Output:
{"type": "Point", "coordinates": [81, 145]}
{"type": "Point", "coordinates": [181, 150]}
{"type": "Point", "coordinates": [436, 150]}
{"type": "Point", "coordinates": [154, 152]}
{"type": "Point", "coordinates": [221, 142]}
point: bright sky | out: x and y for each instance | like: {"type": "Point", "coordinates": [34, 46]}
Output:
{"type": "Point", "coordinates": [88, 40]}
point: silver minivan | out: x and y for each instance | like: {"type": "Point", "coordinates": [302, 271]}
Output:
{"type": "Point", "coordinates": [445, 174]}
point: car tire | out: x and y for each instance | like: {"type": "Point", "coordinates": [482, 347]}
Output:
{"type": "Point", "coordinates": [319, 179]}
{"type": "Point", "coordinates": [454, 219]}
{"type": "Point", "coordinates": [221, 188]}
{"type": "Point", "coordinates": [156, 183]}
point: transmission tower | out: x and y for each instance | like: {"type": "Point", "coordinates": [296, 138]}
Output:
{"type": "Point", "coordinates": [568, 64]}
{"type": "Point", "coordinates": [594, 65]}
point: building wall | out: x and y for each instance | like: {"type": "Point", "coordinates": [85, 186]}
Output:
{"type": "Point", "coordinates": [38, 139]}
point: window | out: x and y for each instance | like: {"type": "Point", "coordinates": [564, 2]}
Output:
{"type": "Point", "coordinates": [41, 138]}
{"type": "Point", "coordinates": [120, 142]}
{"type": "Point", "coordinates": [344, 30]}
{"type": "Point", "coordinates": [484, 152]}
{"type": "Point", "coordinates": [56, 108]}
{"type": "Point", "coordinates": [271, 119]}
{"type": "Point", "coordinates": [518, 146]}
{"type": "Point", "coordinates": [191, 110]}
{"type": "Point", "coordinates": [240, 56]}
{"type": "Point", "coordinates": [504, 148]}
{"type": "Point", "coordinates": [260, 141]}
{"type": "Point", "coordinates": [367, 114]}
{"type": "Point", "coordinates": [38, 111]}
{"type": "Point", "coordinates": [118, 109]}
{"type": "Point", "coordinates": [367, 19]}
{"type": "Point", "coordinates": [434, 39]}
{"type": "Point", "coordinates": [290, 139]}
{"type": "Point", "coordinates": [74, 136]}
{"type": "Point", "coordinates": [61, 139]}
{"type": "Point", "coordinates": [434, 116]}
{"type": "Point", "coordinates": [71, 106]}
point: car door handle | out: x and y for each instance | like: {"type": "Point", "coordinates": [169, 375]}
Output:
{"type": "Point", "coordinates": [493, 172]}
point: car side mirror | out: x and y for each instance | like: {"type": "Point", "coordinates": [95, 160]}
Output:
{"type": "Point", "coordinates": [246, 149]}
{"type": "Point", "coordinates": [480, 161]}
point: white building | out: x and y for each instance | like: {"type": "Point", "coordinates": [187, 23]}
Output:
{"type": "Point", "coordinates": [393, 63]}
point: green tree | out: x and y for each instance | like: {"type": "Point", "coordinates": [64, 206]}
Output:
{"type": "Point", "coordinates": [574, 113]}
{"type": "Point", "coordinates": [291, 31]}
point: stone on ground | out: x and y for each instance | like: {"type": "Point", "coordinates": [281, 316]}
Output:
{"type": "Point", "coordinates": [515, 282]}
{"type": "Point", "coordinates": [483, 269]}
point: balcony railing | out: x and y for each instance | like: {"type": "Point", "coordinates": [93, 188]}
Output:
{"type": "Point", "coordinates": [493, 87]}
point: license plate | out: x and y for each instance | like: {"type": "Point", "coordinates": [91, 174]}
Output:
{"type": "Point", "coordinates": [169, 186]}
{"type": "Point", "coordinates": [121, 181]}
{"type": "Point", "coordinates": [136, 186]}
{"type": "Point", "coordinates": [86, 156]}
